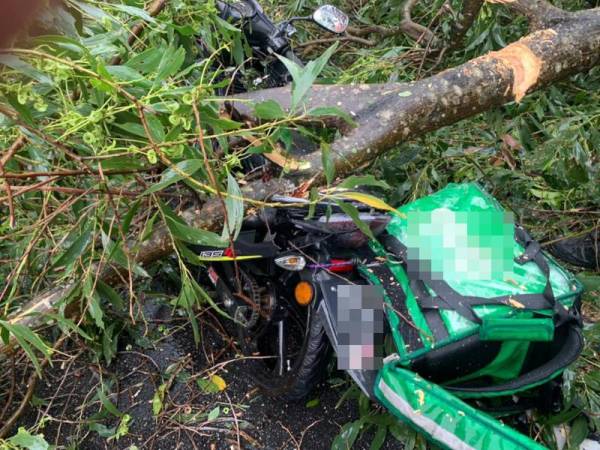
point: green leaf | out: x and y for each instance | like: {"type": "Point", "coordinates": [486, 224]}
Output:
{"type": "Point", "coordinates": [214, 413]}
{"type": "Point", "coordinates": [75, 249]}
{"type": "Point", "coordinates": [362, 180]}
{"type": "Point", "coordinates": [132, 128]}
{"type": "Point", "coordinates": [179, 171]}
{"type": "Point", "coordinates": [313, 403]}
{"type": "Point", "coordinates": [95, 310]}
{"type": "Point", "coordinates": [123, 428]}
{"type": "Point", "coordinates": [578, 432]}
{"type": "Point", "coordinates": [25, 68]}
{"type": "Point", "coordinates": [327, 162]}
{"type": "Point", "coordinates": [67, 325]}
{"type": "Point", "coordinates": [26, 338]}
{"type": "Point", "coordinates": [156, 128]}
{"type": "Point", "coordinates": [147, 61]}
{"type": "Point", "coordinates": [304, 77]}
{"type": "Point", "coordinates": [158, 399]}
{"type": "Point", "coordinates": [379, 438]}
{"type": "Point", "coordinates": [25, 439]}
{"type": "Point", "coordinates": [354, 215]}
{"type": "Point", "coordinates": [128, 74]}
{"type": "Point", "coordinates": [211, 385]}
{"type": "Point", "coordinates": [169, 64]}
{"type": "Point", "coordinates": [93, 12]}
{"type": "Point", "coordinates": [23, 110]}
{"type": "Point", "coordinates": [136, 12]}
{"type": "Point", "coordinates": [133, 209]}
{"type": "Point", "coordinates": [269, 110]}
{"type": "Point", "coordinates": [107, 404]}
{"type": "Point", "coordinates": [590, 281]}
{"type": "Point", "coordinates": [331, 111]}
{"type": "Point", "coordinates": [102, 430]}
{"type": "Point", "coordinates": [111, 295]}
{"type": "Point", "coordinates": [115, 253]}
{"type": "Point", "coordinates": [235, 210]}
{"type": "Point", "coordinates": [191, 235]}
{"type": "Point", "coordinates": [347, 435]}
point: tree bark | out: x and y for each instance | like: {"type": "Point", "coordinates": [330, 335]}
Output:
{"type": "Point", "coordinates": [388, 114]}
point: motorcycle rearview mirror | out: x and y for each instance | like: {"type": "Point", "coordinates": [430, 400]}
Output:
{"type": "Point", "coordinates": [331, 18]}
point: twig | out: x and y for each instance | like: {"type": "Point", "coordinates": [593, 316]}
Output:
{"type": "Point", "coordinates": [414, 30]}
{"type": "Point", "coordinates": [345, 38]}
{"type": "Point", "coordinates": [14, 148]}
{"type": "Point", "coordinates": [31, 383]}
{"type": "Point", "coordinates": [153, 10]}
{"type": "Point", "coordinates": [73, 173]}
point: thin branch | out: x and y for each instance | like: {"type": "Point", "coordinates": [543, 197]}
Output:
{"type": "Point", "coordinates": [73, 173]}
{"type": "Point", "coordinates": [407, 26]}
{"type": "Point", "coordinates": [153, 10]}
{"type": "Point", "coordinates": [469, 13]}
{"type": "Point", "coordinates": [540, 13]}
{"type": "Point", "coordinates": [345, 38]}
{"type": "Point", "coordinates": [14, 148]}
{"type": "Point", "coordinates": [416, 31]}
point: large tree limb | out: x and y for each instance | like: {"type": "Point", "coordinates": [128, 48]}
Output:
{"type": "Point", "coordinates": [388, 114]}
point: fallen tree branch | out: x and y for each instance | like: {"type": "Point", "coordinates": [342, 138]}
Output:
{"type": "Point", "coordinates": [540, 13]}
{"type": "Point", "coordinates": [388, 114]}
{"type": "Point", "coordinates": [209, 216]}
{"type": "Point", "coordinates": [407, 26]}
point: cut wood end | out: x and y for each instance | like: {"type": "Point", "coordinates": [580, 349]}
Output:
{"type": "Point", "coordinates": [525, 66]}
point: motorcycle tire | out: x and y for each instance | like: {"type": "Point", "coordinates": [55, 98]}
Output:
{"type": "Point", "coordinates": [309, 370]}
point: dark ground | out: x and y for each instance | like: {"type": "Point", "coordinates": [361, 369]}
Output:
{"type": "Point", "coordinates": [68, 401]}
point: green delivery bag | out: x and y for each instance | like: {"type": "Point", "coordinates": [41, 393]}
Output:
{"type": "Point", "coordinates": [477, 312]}
{"type": "Point", "coordinates": [442, 417]}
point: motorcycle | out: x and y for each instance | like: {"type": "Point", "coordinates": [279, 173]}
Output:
{"type": "Point", "coordinates": [272, 282]}
{"type": "Point", "coordinates": [267, 40]}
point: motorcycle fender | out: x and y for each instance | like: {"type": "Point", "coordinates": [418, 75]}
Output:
{"type": "Point", "coordinates": [327, 311]}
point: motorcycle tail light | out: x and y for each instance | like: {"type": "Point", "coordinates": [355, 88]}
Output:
{"type": "Point", "coordinates": [340, 265]}
{"type": "Point", "coordinates": [294, 263]}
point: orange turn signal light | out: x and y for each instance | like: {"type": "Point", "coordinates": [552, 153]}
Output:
{"type": "Point", "coordinates": [304, 293]}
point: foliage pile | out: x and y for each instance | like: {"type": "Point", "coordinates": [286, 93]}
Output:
{"type": "Point", "coordinates": [91, 135]}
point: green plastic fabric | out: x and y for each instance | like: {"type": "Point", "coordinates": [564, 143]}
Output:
{"type": "Point", "coordinates": [509, 328]}
{"type": "Point", "coordinates": [485, 240]}
{"type": "Point", "coordinates": [441, 417]}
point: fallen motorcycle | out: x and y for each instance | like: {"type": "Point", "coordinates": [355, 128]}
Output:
{"type": "Point", "coordinates": [440, 310]}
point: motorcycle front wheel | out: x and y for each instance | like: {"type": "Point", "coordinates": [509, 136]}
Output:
{"type": "Point", "coordinates": [285, 344]}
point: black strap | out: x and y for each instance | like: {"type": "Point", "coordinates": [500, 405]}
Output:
{"type": "Point", "coordinates": [523, 301]}
{"type": "Point", "coordinates": [432, 315]}
{"type": "Point", "coordinates": [533, 252]}
{"type": "Point", "coordinates": [393, 289]}
{"type": "Point", "coordinates": [448, 298]}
